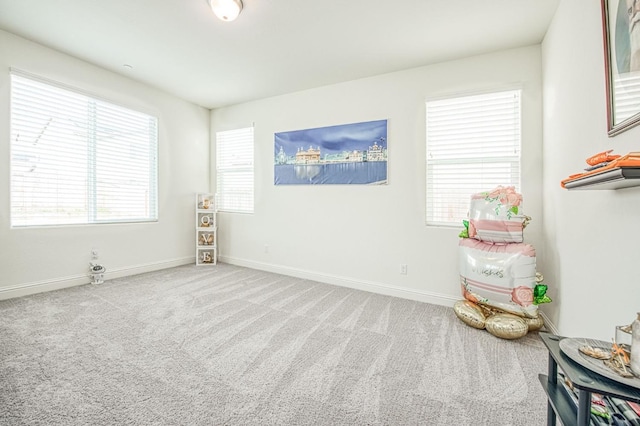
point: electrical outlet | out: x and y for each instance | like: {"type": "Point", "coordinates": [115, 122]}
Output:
{"type": "Point", "coordinates": [403, 269]}
{"type": "Point", "coordinates": [266, 248]}
{"type": "Point", "coordinates": [94, 254]}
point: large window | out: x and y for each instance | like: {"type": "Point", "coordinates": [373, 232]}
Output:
{"type": "Point", "coordinates": [78, 160]}
{"type": "Point", "coordinates": [473, 145]}
{"type": "Point", "coordinates": [234, 170]}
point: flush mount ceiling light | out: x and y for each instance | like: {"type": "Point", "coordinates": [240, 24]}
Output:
{"type": "Point", "coordinates": [227, 10]}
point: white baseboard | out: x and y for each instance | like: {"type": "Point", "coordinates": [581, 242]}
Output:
{"type": "Point", "coordinates": [548, 324]}
{"type": "Point", "coordinates": [74, 280]}
{"type": "Point", "coordinates": [373, 287]}
{"type": "Point", "coordinates": [149, 267]}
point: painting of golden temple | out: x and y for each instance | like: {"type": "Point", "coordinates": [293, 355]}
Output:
{"type": "Point", "coordinates": [342, 154]}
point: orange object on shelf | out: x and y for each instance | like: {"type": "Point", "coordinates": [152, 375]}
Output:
{"type": "Point", "coordinates": [632, 159]}
{"type": "Point", "coordinates": [601, 157]}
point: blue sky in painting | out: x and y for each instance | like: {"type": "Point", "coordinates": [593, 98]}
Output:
{"type": "Point", "coordinates": [334, 139]}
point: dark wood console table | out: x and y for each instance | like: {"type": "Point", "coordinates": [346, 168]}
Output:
{"type": "Point", "coordinates": [586, 381]}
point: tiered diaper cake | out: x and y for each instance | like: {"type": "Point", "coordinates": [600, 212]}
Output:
{"type": "Point", "coordinates": [501, 287]}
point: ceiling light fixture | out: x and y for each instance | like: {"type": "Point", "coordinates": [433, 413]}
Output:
{"type": "Point", "coordinates": [227, 10]}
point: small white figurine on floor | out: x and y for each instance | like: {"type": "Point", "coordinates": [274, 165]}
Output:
{"type": "Point", "coordinates": [96, 273]}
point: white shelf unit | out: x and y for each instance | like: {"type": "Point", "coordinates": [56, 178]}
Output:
{"type": "Point", "coordinates": [206, 229]}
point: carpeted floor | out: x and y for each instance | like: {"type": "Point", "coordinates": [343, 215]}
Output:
{"type": "Point", "coordinates": [227, 345]}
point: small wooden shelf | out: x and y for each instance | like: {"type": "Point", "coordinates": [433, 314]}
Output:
{"type": "Point", "coordinates": [618, 178]}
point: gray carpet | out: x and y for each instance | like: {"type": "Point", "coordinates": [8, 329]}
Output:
{"type": "Point", "coordinates": [227, 345]}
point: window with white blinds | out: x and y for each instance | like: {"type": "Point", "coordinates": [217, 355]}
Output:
{"type": "Point", "coordinates": [79, 160]}
{"type": "Point", "coordinates": [234, 170]}
{"type": "Point", "coordinates": [473, 145]}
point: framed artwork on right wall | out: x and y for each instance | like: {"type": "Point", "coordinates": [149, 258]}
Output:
{"type": "Point", "coordinates": [621, 36]}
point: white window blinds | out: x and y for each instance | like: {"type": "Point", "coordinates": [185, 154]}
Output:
{"type": "Point", "coordinates": [234, 170]}
{"type": "Point", "coordinates": [79, 160]}
{"type": "Point", "coordinates": [626, 97]}
{"type": "Point", "coordinates": [473, 145]}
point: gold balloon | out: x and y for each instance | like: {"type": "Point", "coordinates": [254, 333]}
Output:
{"type": "Point", "coordinates": [506, 326]}
{"type": "Point", "coordinates": [469, 313]}
{"type": "Point", "coordinates": [534, 324]}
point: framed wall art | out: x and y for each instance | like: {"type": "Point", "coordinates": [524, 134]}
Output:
{"type": "Point", "coordinates": [621, 35]}
{"type": "Point", "coordinates": [343, 154]}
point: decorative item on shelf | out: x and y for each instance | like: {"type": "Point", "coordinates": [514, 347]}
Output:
{"type": "Point", "coordinates": [205, 221]}
{"type": "Point", "coordinates": [623, 336]}
{"type": "Point", "coordinates": [619, 361]}
{"type": "Point", "coordinates": [601, 159]}
{"type": "Point", "coordinates": [206, 257]}
{"type": "Point", "coordinates": [590, 353]}
{"type": "Point", "coordinates": [616, 357]}
{"type": "Point", "coordinates": [635, 346]}
{"type": "Point", "coordinates": [96, 273]}
{"type": "Point", "coordinates": [596, 352]}
{"type": "Point", "coordinates": [606, 171]}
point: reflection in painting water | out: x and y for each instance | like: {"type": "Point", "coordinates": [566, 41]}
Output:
{"type": "Point", "coordinates": [307, 172]}
{"type": "Point", "coordinates": [344, 173]}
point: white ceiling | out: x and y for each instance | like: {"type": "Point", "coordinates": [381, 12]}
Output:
{"type": "Point", "coordinates": [275, 46]}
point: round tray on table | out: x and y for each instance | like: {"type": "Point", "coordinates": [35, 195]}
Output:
{"type": "Point", "coordinates": [571, 348]}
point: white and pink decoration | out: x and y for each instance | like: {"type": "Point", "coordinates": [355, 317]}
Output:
{"type": "Point", "coordinates": [494, 216]}
{"type": "Point", "coordinates": [499, 276]}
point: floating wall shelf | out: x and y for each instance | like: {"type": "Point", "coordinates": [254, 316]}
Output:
{"type": "Point", "coordinates": [618, 178]}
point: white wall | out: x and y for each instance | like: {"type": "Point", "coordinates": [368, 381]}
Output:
{"type": "Point", "coordinates": [359, 235]}
{"type": "Point", "coordinates": [45, 258]}
{"type": "Point", "coordinates": [591, 251]}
